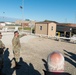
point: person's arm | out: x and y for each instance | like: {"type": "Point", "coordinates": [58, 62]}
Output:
{"type": "Point", "coordinates": [3, 46]}
{"type": "Point", "coordinates": [21, 35]}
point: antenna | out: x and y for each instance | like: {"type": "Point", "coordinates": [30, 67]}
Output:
{"type": "Point", "coordinates": [22, 8]}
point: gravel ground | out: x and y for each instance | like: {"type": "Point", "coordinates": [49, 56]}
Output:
{"type": "Point", "coordinates": [34, 52]}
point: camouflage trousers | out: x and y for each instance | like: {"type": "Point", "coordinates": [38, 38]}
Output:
{"type": "Point", "coordinates": [16, 55]}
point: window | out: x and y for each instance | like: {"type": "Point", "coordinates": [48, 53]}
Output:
{"type": "Point", "coordinates": [51, 27]}
{"type": "Point", "coordinates": [40, 27]}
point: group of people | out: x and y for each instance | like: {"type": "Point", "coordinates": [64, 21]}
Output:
{"type": "Point", "coordinates": [15, 45]}
{"type": "Point", "coordinates": [55, 60]}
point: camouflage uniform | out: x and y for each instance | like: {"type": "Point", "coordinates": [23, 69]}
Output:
{"type": "Point", "coordinates": [16, 48]}
{"type": "Point", "coordinates": [1, 44]}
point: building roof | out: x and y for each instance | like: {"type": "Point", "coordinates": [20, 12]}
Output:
{"type": "Point", "coordinates": [58, 24]}
{"type": "Point", "coordinates": [66, 24]}
{"type": "Point", "coordinates": [46, 22]}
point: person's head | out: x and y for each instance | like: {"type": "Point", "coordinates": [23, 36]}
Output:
{"type": "Point", "coordinates": [0, 35]}
{"type": "Point", "coordinates": [55, 62]}
{"type": "Point", "coordinates": [16, 33]}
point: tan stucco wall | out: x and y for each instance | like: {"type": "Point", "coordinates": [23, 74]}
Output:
{"type": "Point", "coordinates": [46, 29]}
{"type": "Point", "coordinates": [43, 31]}
{"type": "Point", "coordinates": [21, 21]}
{"type": "Point", "coordinates": [51, 33]}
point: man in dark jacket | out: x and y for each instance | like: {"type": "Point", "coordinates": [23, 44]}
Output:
{"type": "Point", "coordinates": [55, 63]}
{"type": "Point", "coordinates": [53, 73]}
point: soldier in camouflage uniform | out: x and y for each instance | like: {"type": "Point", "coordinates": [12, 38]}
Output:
{"type": "Point", "coordinates": [2, 46]}
{"type": "Point", "coordinates": [16, 47]}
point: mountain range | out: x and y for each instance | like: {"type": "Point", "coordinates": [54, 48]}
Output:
{"type": "Point", "coordinates": [7, 19]}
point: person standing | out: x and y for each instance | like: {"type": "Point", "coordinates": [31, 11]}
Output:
{"type": "Point", "coordinates": [2, 47]}
{"type": "Point", "coordinates": [16, 47]}
{"type": "Point", "coordinates": [1, 43]}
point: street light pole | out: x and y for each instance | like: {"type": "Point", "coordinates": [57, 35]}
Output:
{"type": "Point", "coordinates": [22, 8]}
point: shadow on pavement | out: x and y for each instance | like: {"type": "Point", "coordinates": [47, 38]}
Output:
{"type": "Point", "coordinates": [70, 57]}
{"type": "Point", "coordinates": [45, 64]}
{"type": "Point", "coordinates": [24, 69]}
{"type": "Point", "coordinates": [7, 64]}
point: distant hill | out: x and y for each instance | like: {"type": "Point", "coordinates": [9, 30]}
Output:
{"type": "Point", "coordinates": [5, 19]}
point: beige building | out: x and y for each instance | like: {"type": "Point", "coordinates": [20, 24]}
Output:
{"type": "Point", "coordinates": [45, 28]}
{"type": "Point", "coordinates": [25, 23]}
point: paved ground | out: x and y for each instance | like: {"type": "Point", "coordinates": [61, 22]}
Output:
{"type": "Point", "coordinates": [34, 53]}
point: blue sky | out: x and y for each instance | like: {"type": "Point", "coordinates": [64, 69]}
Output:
{"type": "Point", "coordinates": [39, 10]}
